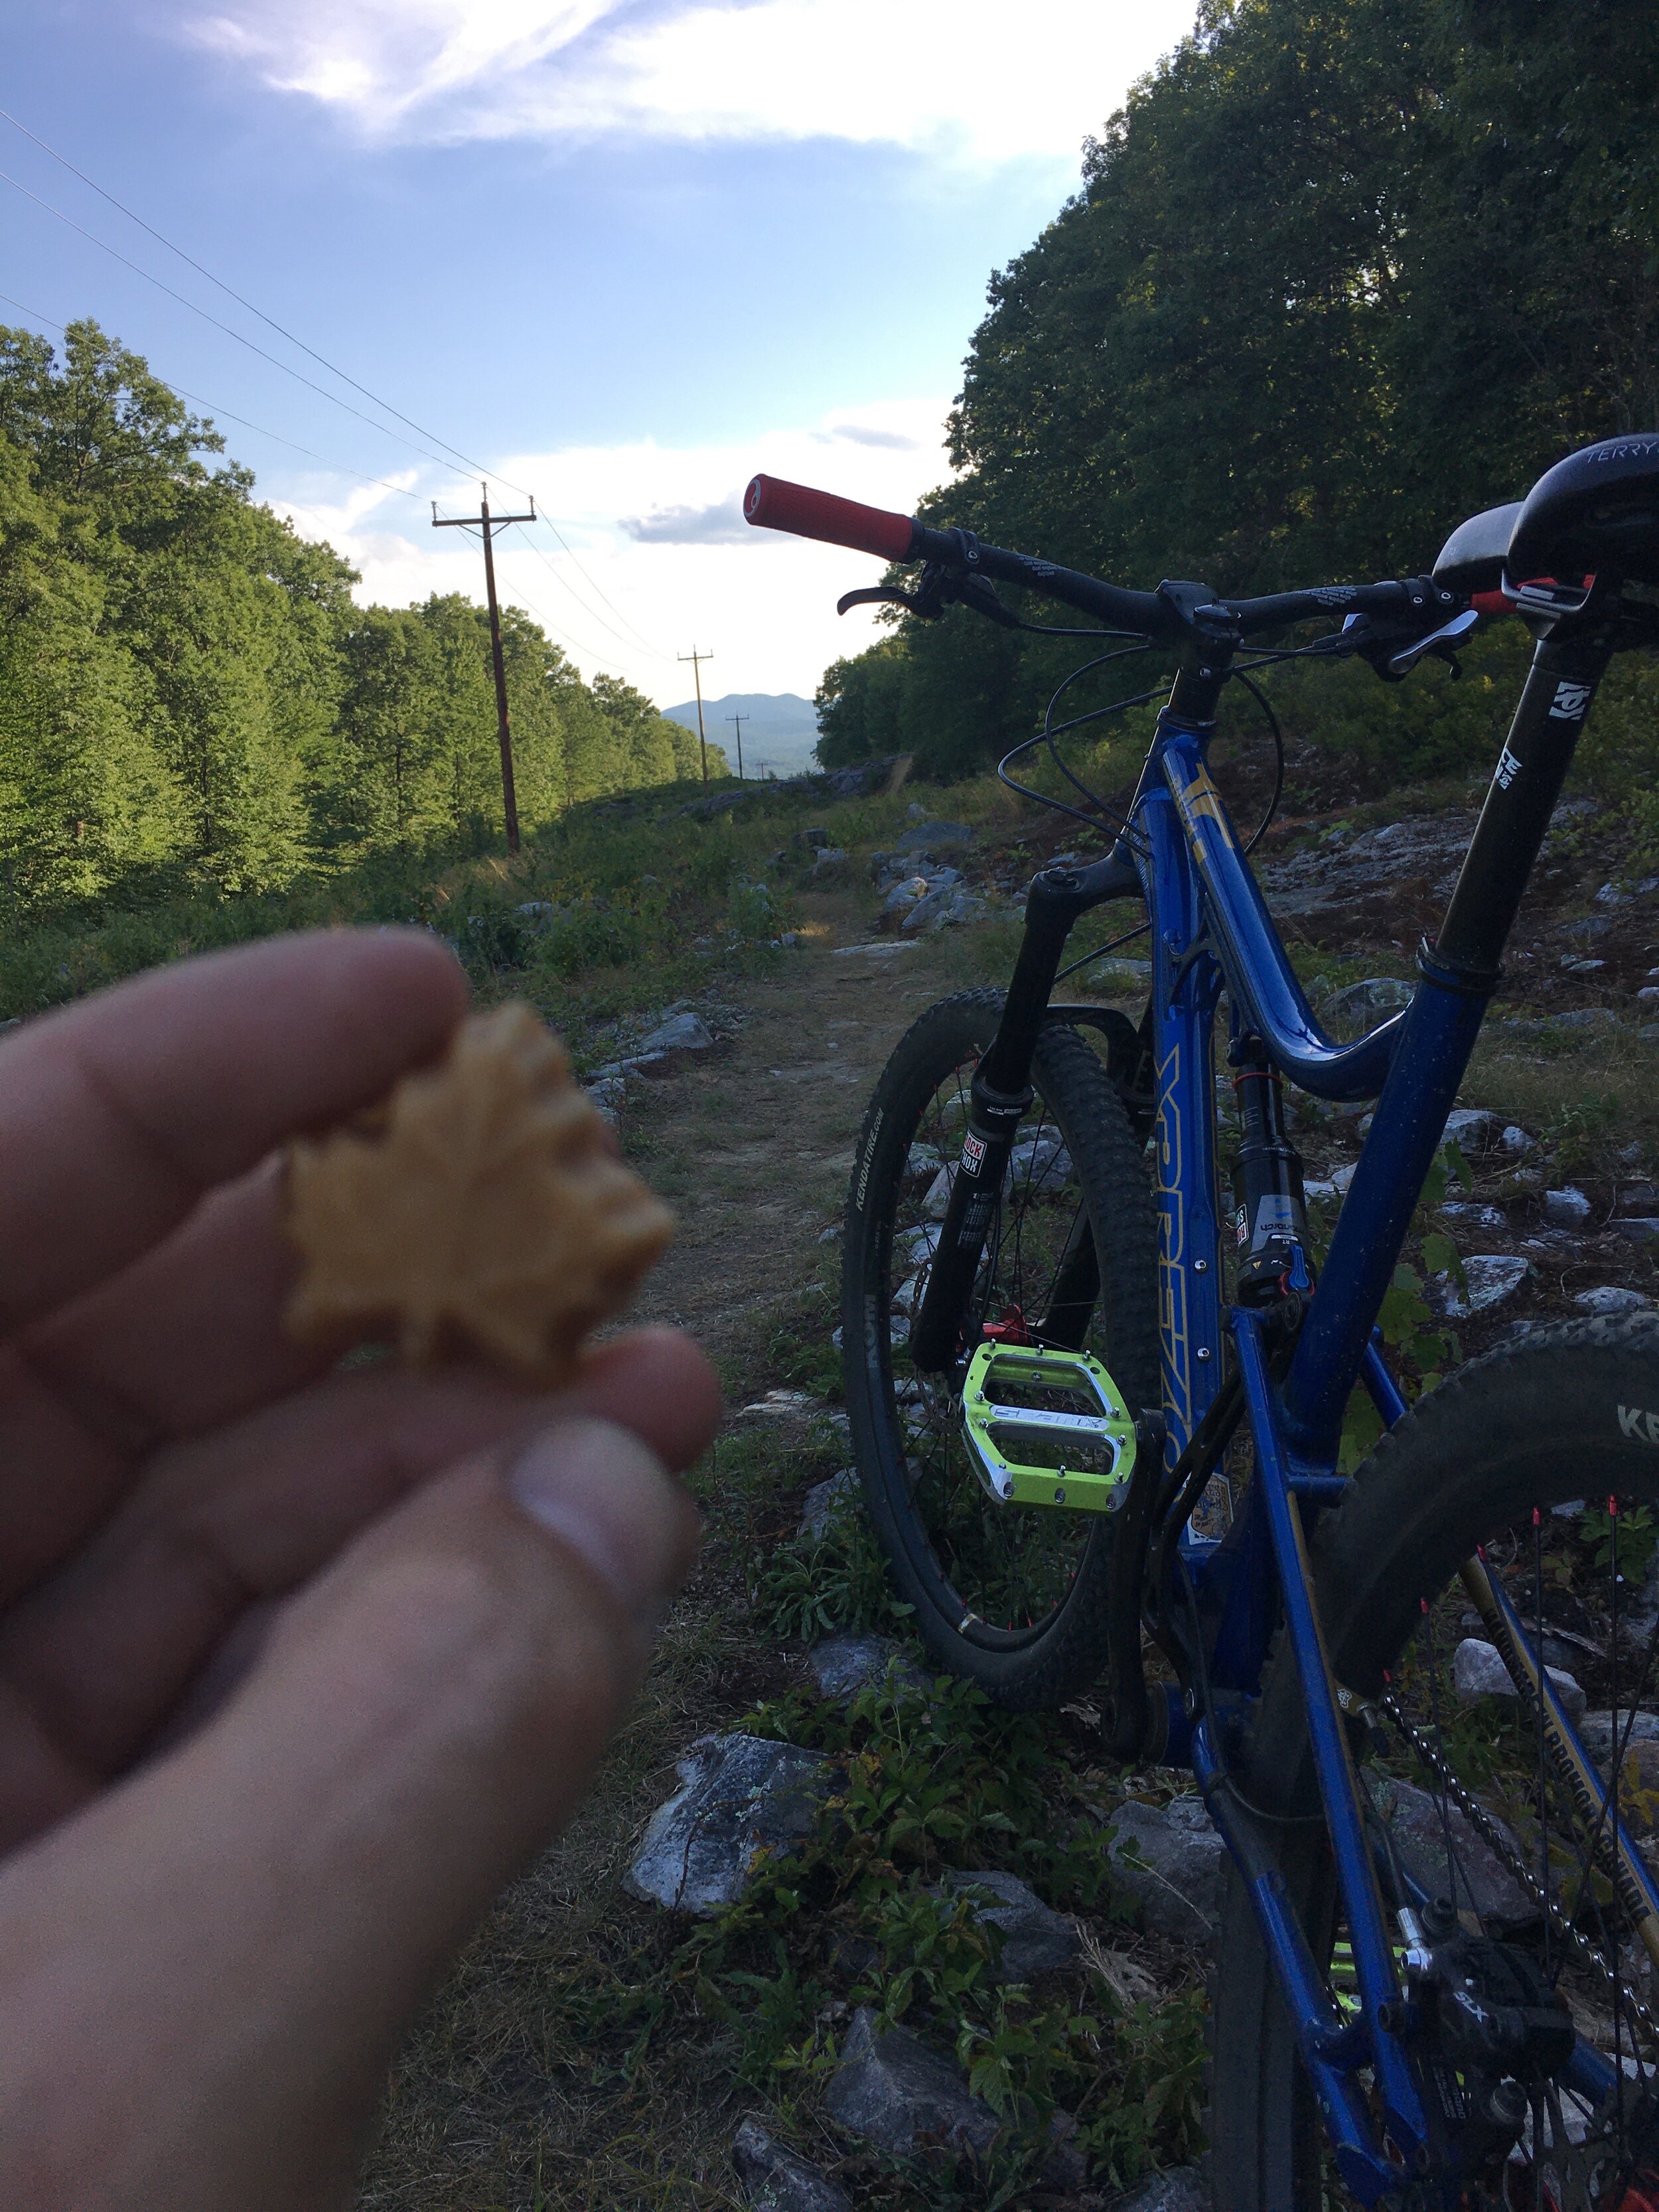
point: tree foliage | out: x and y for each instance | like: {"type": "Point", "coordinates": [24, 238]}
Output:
{"type": "Point", "coordinates": [1342, 273]}
{"type": "Point", "coordinates": [188, 690]}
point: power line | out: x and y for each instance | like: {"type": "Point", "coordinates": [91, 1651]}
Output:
{"type": "Point", "coordinates": [448, 467]}
{"type": "Point", "coordinates": [230, 292]}
{"type": "Point", "coordinates": [333, 367]}
{"type": "Point", "coordinates": [216, 413]}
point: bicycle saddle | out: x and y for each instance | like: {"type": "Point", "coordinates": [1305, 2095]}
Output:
{"type": "Point", "coordinates": [1472, 558]}
{"type": "Point", "coordinates": [1595, 514]}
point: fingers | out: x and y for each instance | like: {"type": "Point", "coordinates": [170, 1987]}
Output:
{"type": "Point", "coordinates": [93, 1662]}
{"type": "Point", "coordinates": [203, 1976]}
{"type": "Point", "coordinates": [128, 1106]}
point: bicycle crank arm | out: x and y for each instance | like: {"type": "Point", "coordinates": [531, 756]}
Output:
{"type": "Point", "coordinates": [1107, 1432]}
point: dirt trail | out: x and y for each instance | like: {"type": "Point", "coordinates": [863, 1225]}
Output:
{"type": "Point", "coordinates": [497, 2104]}
{"type": "Point", "coordinates": [755, 1149]}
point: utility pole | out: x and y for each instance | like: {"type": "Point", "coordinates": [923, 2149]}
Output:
{"type": "Point", "coordinates": [487, 525]}
{"type": "Point", "coordinates": [697, 661]}
{"type": "Point", "coordinates": [739, 719]}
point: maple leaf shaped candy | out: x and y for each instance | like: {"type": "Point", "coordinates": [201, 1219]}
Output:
{"type": "Point", "coordinates": [479, 1208]}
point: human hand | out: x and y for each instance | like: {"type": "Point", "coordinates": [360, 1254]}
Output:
{"type": "Point", "coordinates": [296, 1668]}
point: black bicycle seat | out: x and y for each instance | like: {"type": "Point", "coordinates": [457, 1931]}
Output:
{"type": "Point", "coordinates": [1595, 513]}
{"type": "Point", "coordinates": [1472, 558]}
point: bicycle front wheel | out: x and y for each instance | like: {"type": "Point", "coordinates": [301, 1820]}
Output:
{"type": "Point", "coordinates": [1506, 1472]}
{"type": "Point", "coordinates": [1012, 1597]}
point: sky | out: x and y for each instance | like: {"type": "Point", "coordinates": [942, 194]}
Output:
{"type": "Point", "coordinates": [616, 254]}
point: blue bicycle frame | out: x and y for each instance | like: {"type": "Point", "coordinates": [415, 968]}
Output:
{"type": "Point", "coordinates": [1210, 930]}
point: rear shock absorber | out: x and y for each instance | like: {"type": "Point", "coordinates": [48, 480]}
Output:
{"type": "Point", "coordinates": [1270, 1215]}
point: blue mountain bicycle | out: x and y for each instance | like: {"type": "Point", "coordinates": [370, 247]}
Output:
{"type": "Point", "coordinates": [1099, 1442]}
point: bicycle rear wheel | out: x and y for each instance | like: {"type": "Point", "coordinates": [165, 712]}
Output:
{"type": "Point", "coordinates": [1461, 1778]}
{"type": "Point", "coordinates": [1012, 1597]}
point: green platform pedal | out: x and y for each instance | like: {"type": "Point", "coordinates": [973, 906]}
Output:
{"type": "Point", "coordinates": [1104, 1438]}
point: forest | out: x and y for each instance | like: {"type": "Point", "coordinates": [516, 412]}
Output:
{"type": "Point", "coordinates": [189, 698]}
{"type": "Point", "coordinates": [1342, 273]}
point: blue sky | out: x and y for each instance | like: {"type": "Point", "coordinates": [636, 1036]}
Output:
{"type": "Point", "coordinates": [622, 254]}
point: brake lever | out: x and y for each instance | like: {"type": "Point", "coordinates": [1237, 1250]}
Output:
{"type": "Point", "coordinates": [874, 595]}
{"type": "Point", "coordinates": [938, 589]}
{"type": "Point", "coordinates": [1393, 651]}
{"type": "Point", "coordinates": [1441, 641]}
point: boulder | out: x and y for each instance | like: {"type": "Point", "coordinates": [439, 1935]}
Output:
{"type": "Point", "coordinates": [828, 1501]}
{"type": "Point", "coordinates": [1566, 1208]}
{"type": "Point", "coordinates": [682, 1032]}
{"type": "Point", "coordinates": [1610, 1298]}
{"type": "Point", "coordinates": [936, 838]}
{"type": "Point", "coordinates": [1035, 1939]}
{"type": "Point", "coordinates": [1378, 994]}
{"type": "Point", "coordinates": [1169, 1857]}
{"type": "Point", "coordinates": [1181, 2189]}
{"type": "Point", "coordinates": [1478, 1671]}
{"type": "Point", "coordinates": [904, 894]}
{"type": "Point", "coordinates": [1515, 1140]}
{"type": "Point", "coordinates": [739, 1795]}
{"type": "Point", "coordinates": [1491, 1277]}
{"type": "Point", "coordinates": [1474, 1216]}
{"type": "Point", "coordinates": [1595, 1731]}
{"type": "Point", "coordinates": [778, 2180]}
{"type": "Point", "coordinates": [1471, 1128]}
{"type": "Point", "coordinates": [903, 2096]}
{"type": "Point", "coordinates": [1638, 1230]}
{"type": "Point", "coordinates": [843, 1664]}
{"type": "Point", "coordinates": [1417, 1826]}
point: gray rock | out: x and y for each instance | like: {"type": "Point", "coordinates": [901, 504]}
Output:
{"type": "Point", "coordinates": [843, 1664]}
{"type": "Point", "coordinates": [1585, 1017]}
{"type": "Point", "coordinates": [1170, 1857]}
{"type": "Point", "coordinates": [1610, 1298]}
{"type": "Point", "coordinates": [1036, 1940]}
{"type": "Point", "coordinates": [1567, 1208]}
{"type": "Point", "coordinates": [683, 1032]}
{"type": "Point", "coordinates": [1478, 1671]}
{"type": "Point", "coordinates": [1491, 1277]}
{"type": "Point", "coordinates": [1595, 1731]}
{"type": "Point", "coordinates": [1622, 894]}
{"type": "Point", "coordinates": [1181, 2189]}
{"type": "Point", "coordinates": [937, 1198]}
{"type": "Point", "coordinates": [936, 838]}
{"type": "Point", "coordinates": [1039, 1159]}
{"type": "Point", "coordinates": [904, 894]}
{"type": "Point", "coordinates": [739, 1794]}
{"type": "Point", "coordinates": [1416, 1822]}
{"type": "Point", "coordinates": [1378, 994]}
{"type": "Point", "coordinates": [1649, 1033]}
{"type": "Point", "coordinates": [1474, 1216]}
{"type": "Point", "coordinates": [1471, 1128]}
{"type": "Point", "coordinates": [828, 1501]}
{"type": "Point", "coordinates": [778, 2180]}
{"type": "Point", "coordinates": [1317, 1191]}
{"type": "Point", "coordinates": [1515, 1140]}
{"type": "Point", "coordinates": [1640, 1229]}
{"type": "Point", "coordinates": [829, 861]}
{"type": "Point", "coordinates": [925, 913]}
{"type": "Point", "coordinates": [900, 2094]}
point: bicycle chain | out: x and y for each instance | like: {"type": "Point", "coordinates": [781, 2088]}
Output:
{"type": "Point", "coordinates": [1484, 1825]}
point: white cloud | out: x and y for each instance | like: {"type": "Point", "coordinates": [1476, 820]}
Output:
{"type": "Point", "coordinates": [654, 529]}
{"type": "Point", "coordinates": [961, 76]}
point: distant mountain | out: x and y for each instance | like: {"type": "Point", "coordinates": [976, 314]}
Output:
{"type": "Point", "coordinates": [779, 732]}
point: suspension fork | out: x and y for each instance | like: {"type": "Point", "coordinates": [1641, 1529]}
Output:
{"type": "Point", "coordinates": [1000, 1094]}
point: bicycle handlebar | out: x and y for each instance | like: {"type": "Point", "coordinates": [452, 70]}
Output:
{"type": "Point", "coordinates": [771, 503]}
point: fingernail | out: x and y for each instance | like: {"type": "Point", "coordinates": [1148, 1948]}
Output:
{"type": "Point", "coordinates": [599, 1490]}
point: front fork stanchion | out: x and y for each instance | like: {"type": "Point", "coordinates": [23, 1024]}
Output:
{"type": "Point", "coordinates": [1000, 1093]}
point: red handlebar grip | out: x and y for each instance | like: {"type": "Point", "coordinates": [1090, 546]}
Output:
{"type": "Point", "coordinates": [771, 504]}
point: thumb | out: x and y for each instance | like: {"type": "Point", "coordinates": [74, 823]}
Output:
{"type": "Point", "coordinates": [206, 1973]}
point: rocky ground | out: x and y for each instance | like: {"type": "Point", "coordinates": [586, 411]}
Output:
{"type": "Point", "coordinates": [531, 2083]}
